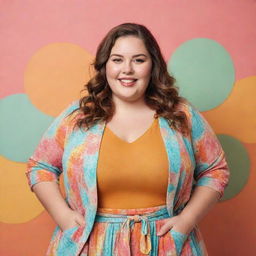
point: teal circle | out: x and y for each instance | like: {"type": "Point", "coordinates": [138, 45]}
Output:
{"type": "Point", "coordinates": [239, 164]}
{"type": "Point", "coordinates": [204, 72]}
{"type": "Point", "coordinates": [21, 127]}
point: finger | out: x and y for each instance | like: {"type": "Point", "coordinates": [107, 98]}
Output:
{"type": "Point", "coordinates": [165, 228]}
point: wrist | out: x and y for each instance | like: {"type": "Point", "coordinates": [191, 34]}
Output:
{"type": "Point", "coordinates": [188, 219]}
{"type": "Point", "coordinates": [184, 225]}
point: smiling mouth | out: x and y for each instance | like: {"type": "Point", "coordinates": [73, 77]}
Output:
{"type": "Point", "coordinates": [127, 82]}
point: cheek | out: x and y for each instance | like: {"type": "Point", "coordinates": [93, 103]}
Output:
{"type": "Point", "coordinates": [111, 71]}
{"type": "Point", "coordinates": [146, 71]}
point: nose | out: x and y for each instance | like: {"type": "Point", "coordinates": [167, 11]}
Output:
{"type": "Point", "coordinates": [127, 67]}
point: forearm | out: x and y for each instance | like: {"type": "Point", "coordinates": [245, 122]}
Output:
{"type": "Point", "coordinates": [200, 203]}
{"type": "Point", "coordinates": [50, 197]}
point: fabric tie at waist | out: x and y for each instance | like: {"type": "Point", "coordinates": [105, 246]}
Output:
{"type": "Point", "coordinates": [128, 220]}
{"type": "Point", "coordinates": [145, 240]}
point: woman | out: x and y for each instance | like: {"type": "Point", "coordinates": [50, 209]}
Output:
{"type": "Point", "coordinates": [141, 165]}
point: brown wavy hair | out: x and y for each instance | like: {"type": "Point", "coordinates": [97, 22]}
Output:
{"type": "Point", "coordinates": [161, 94]}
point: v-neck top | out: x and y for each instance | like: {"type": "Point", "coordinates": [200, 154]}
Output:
{"type": "Point", "coordinates": [132, 174]}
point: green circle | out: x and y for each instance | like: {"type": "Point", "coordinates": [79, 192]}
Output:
{"type": "Point", "coordinates": [239, 164]}
{"type": "Point", "coordinates": [21, 128]}
{"type": "Point", "coordinates": [204, 72]}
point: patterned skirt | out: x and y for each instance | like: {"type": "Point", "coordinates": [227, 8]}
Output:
{"type": "Point", "coordinates": [127, 232]}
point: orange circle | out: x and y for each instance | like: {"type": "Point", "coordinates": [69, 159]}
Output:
{"type": "Point", "coordinates": [236, 116]}
{"type": "Point", "coordinates": [56, 74]}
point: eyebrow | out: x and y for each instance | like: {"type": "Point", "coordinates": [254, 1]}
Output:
{"type": "Point", "coordinates": [136, 55]}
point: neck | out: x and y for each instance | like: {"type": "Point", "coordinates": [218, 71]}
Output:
{"type": "Point", "coordinates": [129, 107]}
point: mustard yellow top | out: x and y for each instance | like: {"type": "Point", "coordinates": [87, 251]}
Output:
{"type": "Point", "coordinates": [132, 175]}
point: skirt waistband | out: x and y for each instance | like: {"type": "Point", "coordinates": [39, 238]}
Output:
{"type": "Point", "coordinates": [137, 215]}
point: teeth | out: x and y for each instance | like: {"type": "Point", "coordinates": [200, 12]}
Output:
{"type": "Point", "coordinates": [127, 81]}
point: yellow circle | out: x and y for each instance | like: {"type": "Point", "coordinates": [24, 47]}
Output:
{"type": "Point", "coordinates": [18, 203]}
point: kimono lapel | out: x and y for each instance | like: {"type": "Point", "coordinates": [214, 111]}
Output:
{"type": "Point", "coordinates": [172, 148]}
{"type": "Point", "coordinates": [90, 159]}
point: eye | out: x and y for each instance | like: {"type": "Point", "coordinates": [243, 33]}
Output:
{"type": "Point", "coordinates": [117, 60]}
{"type": "Point", "coordinates": [139, 60]}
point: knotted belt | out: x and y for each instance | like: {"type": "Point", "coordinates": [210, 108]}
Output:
{"type": "Point", "coordinates": [145, 239]}
{"type": "Point", "coordinates": [128, 220]}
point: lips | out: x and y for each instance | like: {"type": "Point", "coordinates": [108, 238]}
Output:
{"type": "Point", "coordinates": [127, 82]}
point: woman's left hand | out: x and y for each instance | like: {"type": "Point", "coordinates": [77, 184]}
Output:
{"type": "Point", "coordinates": [178, 223]}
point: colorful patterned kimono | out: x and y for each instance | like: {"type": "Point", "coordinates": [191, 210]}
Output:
{"type": "Point", "coordinates": [194, 160]}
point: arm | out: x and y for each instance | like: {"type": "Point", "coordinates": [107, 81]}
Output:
{"type": "Point", "coordinates": [48, 193]}
{"type": "Point", "coordinates": [45, 167]}
{"type": "Point", "coordinates": [211, 175]}
{"type": "Point", "coordinates": [202, 200]}
{"type": "Point", "coordinates": [46, 162]}
{"type": "Point", "coordinates": [211, 169]}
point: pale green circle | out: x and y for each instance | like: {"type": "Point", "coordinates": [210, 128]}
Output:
{"type": "Point", "coordinates": [239, 164]}
{"type": "Point", "coordinates": [204, 72]}
{"type": "Point", "coordinates": [21, 127]}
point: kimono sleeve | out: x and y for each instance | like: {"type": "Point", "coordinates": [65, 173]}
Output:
{"type": "Point", "coordinates": [211, 166]}
{"type": "Point", "coordinates": [46, 162]}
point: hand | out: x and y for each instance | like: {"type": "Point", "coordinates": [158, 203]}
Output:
{"type": "Point", "coordinates": [177, 223]}
{"type": "Point", "coordinates": [71, 219]}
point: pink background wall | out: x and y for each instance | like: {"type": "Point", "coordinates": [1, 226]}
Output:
{"type": "Point", "coordinates": [46, 49]}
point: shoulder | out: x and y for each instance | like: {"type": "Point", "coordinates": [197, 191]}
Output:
{"type": "Point", "coordinates": [198, 124]}
{"type": "Point", "coordinates": [71, 111]}
{"type": "Point", "coordinates": [187, 108]}
{"type": "Point", "coordinates": [196, 121]}
{"type": "Point", "coordinates": [67, 117]}
{"type": "Point", "coordinates": [71, 108]}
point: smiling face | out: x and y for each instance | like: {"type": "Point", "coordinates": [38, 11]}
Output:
{"type": "Point", "coordinates": [128, 69]}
